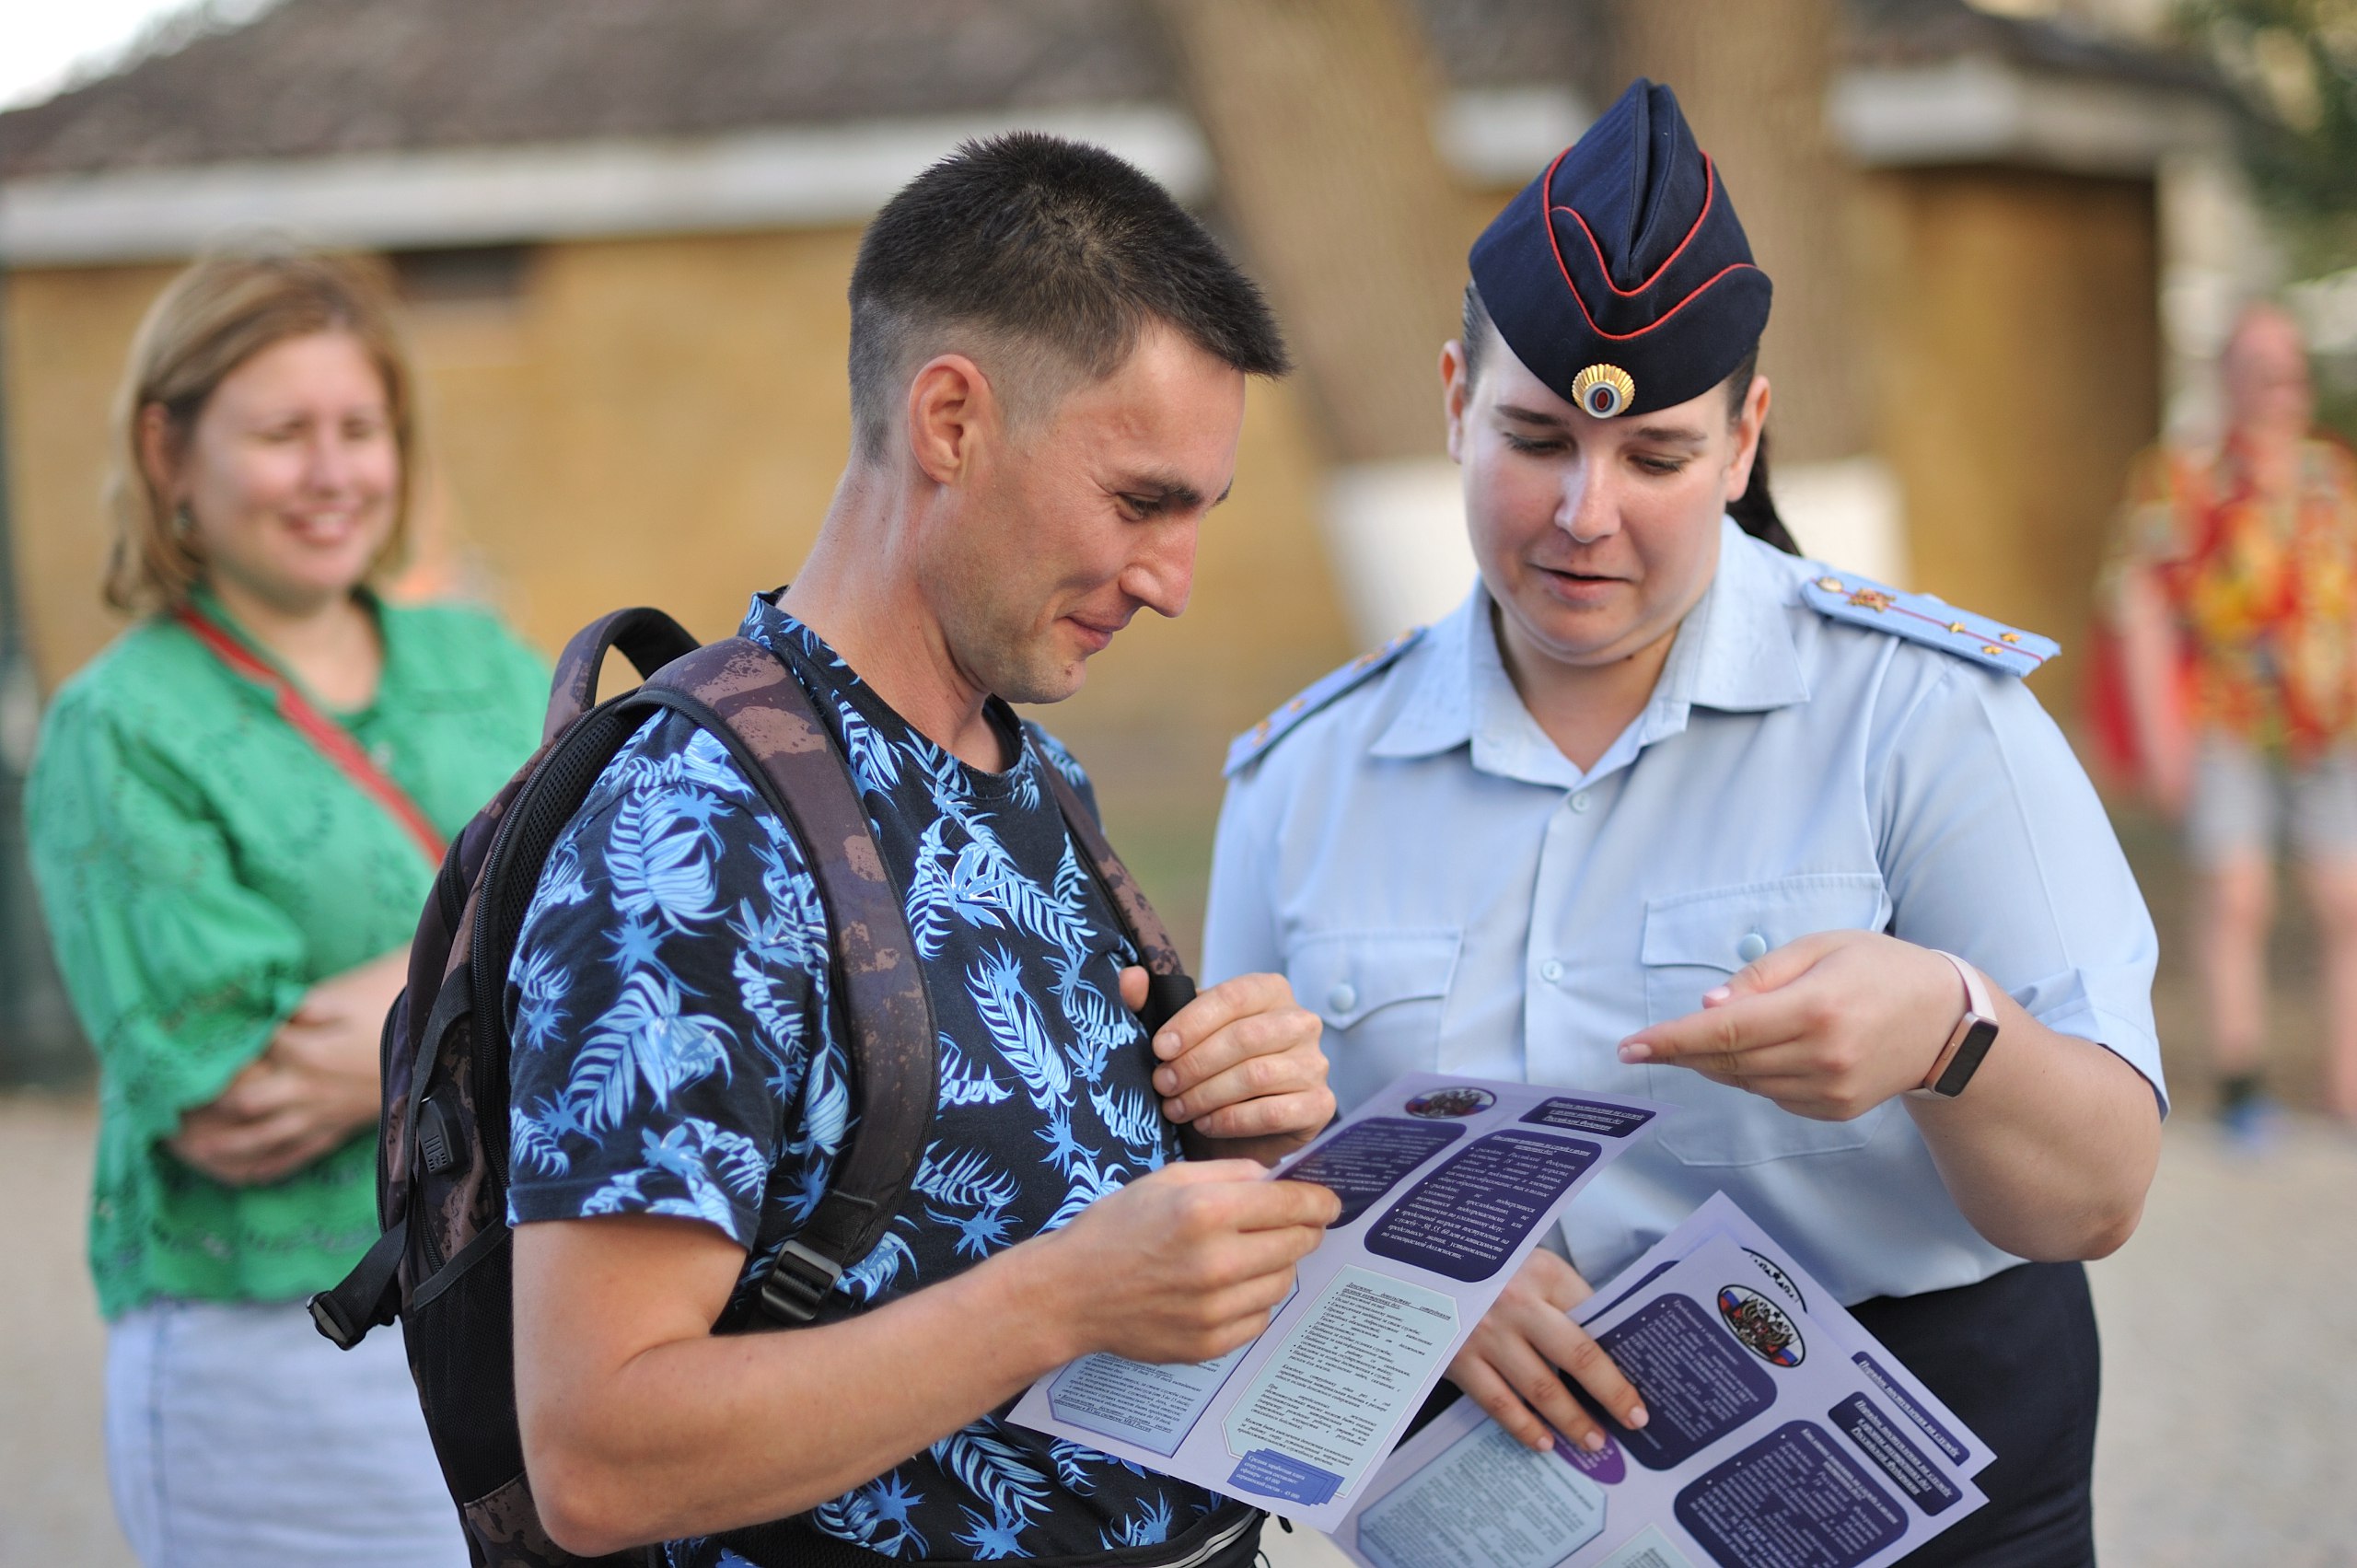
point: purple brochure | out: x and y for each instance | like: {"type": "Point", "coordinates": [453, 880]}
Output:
{"type": "Point", "coordinates": [1782, 1436]}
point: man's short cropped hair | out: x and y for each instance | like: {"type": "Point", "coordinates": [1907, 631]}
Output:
{"type": "Point", "coordinates": [1046, 261]}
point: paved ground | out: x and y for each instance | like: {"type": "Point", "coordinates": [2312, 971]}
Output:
{"type": "Point", "coordinates": [53, 1508]}
{"type": "Point", "coordinates": [2230, 1415]}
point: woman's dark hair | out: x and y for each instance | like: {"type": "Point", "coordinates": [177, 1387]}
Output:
{"type": "Point", "coordinates": [1754, 511]}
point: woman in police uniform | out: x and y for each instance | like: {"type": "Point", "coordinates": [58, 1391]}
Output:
{"type": "Point", "coordinates": [1664, 809]}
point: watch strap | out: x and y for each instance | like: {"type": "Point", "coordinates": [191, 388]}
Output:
{"type": "Point", "coordinates": [1968, 1043]}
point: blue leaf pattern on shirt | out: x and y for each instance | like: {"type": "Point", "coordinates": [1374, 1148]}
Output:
{"type": "Point", "coordinates": [1017, 1027]}
{"type": "Point", "coordinates": [1150, 1526]}
{"type": "Point", "coordinates": [962, 1085]}
{"type": "Point", "coordinates": [992, 1470]}
{"type": "Point", "coordinates": [1132, 1117]}
{"type": "Point", "coordinates": [646, 1037]}
{"type": "Point", "coordinates": [677, 1051]}
{"type": "Point", "coordinates": [661, 854]}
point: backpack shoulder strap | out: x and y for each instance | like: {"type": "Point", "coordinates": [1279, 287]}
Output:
{"type": "Point", "coordinates": [1168, 987]}
{"type": "Point", "coordinates": [754, 706]}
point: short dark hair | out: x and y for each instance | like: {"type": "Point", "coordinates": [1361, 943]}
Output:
{"type": "Point", "coordinates": [1048, 251]}
{"type": "Point", "coordinates": [1754, 510]}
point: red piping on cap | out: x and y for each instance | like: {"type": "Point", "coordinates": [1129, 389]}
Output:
{"type": "Point", "coordinates": [1547, 216]}
{"type": "Point", "coordinates": [1710, 194]}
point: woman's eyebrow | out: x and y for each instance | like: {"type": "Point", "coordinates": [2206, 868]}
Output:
{"type": "Point", "coordinates": [1530, 415]}
{"type": "Point", "coordinates": [1671, 434]}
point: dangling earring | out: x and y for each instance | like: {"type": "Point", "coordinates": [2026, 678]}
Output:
{"type": "Point", "coordinates": [183, 523]}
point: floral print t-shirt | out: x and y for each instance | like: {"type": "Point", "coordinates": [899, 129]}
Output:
{"type": "Point", "coordinates": [2263, 590]}
{"type": "Point", "coordinates": [677, 1052]}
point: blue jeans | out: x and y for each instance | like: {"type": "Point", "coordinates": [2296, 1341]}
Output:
{"type": "Point", "coordinates": [237, 1436]}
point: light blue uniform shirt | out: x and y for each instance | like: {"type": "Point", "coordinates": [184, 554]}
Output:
{"type": "Point", "coordinates": [1449, 892]}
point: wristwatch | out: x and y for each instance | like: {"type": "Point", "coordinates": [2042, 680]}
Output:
{"type": "Point", "coordinates": [1967, 1044]}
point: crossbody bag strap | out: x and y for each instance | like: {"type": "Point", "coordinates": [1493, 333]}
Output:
{"type": "Point", "coordinates": [1168, 987]}
{"type": "Point", "coordinates": [745, 695]}
{"type": "Point", "coordinates": [331, 739]}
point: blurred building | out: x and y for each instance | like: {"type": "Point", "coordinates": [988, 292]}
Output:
{"type": "Point", "coordinates": [624, 230]}
{"type": "Point", "coordinates": [2032, 190]}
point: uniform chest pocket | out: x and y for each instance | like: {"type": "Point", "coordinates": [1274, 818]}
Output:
{"type": "Point", "coordinates": [1380, 994]}
{"type": "Point", "coordinates": [1694, 941]}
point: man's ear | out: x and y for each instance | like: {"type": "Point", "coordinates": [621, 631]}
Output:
{"type": "Point", "coordinates": [1455, 391]}
{"type": "Point", "coordinates": [1748, 426]}
{"type": "Point", "coordinates": [952, 406]}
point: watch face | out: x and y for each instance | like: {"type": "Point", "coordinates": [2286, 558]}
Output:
{"type": "Point", "coordinates": [1967, 1060]}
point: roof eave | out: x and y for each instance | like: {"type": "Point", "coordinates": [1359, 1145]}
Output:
{"type": "Point", "coordinates": [1983, 109]}
{"type": "Point", "coordinates": [787, 177]}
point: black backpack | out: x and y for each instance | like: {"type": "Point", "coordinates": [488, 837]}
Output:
{"type": "Point", "coordinates": [442, 1265]}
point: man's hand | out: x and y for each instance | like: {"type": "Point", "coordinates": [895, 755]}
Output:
{"type": "Point", "coordinates": [309, 1090]}
{"type": "Point", "coordinates": [1829, 1027]}
{"type": "Point", "coordinates": [1508, 1366]}
{"type": "Point", "coordinates": [1240, 1064]}
{"type": "Point", "coordinates": [1185, 1263]}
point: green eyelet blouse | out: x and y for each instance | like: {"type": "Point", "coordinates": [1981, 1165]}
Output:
{"type": "Point", "coordinates": [201, 866]}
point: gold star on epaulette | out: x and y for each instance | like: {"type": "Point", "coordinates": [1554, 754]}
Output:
{"type": "Point", "coordinates": [1924, 618]}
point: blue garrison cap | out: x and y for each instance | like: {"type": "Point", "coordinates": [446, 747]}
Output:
{"type": "Point", "coordinates": [1620, 276]}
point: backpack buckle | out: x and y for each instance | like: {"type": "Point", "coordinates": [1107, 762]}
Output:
{"type": "Point", "coordinates": [368, 1296]}
{"type": "Point", "coordinates": [798, 1283]}
{"type": "Point", "coordinates": [330, 1322]}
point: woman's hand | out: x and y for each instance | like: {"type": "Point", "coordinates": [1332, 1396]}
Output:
{"type": "Point", "coordinates": [310, 1089]}
{"type": "Point", "coordinates": [1829, 1027]}
{"type": "Point", "coordinates": [1508, 1366]}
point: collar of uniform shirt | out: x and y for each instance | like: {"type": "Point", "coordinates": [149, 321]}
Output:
{"type": "Point", "coordinates": [1733, 652]}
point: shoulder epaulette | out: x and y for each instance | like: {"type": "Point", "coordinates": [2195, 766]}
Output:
{"type": "Point", "coordinates": [1315, 696]}
{"type": "Point", "coordinates": [1920, 618]}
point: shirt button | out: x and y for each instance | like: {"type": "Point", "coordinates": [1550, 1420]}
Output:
{"type": "Point", "coordinates": [1343, 998]}
{"type": "Point", "coordinates": [1550, 971]}
{"type": "Point", "coordinates": [1579, 802]}
{"type": "Point", "coordinates": [1751, 948]}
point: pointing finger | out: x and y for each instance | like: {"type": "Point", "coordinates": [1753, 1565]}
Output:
{"type": "Point", "coordinates": [1720, 1033]}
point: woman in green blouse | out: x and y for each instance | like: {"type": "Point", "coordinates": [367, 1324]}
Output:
{"type": "Point", "coordinates": [234, 815]}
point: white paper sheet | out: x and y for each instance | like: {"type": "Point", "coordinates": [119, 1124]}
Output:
{"type": "Point", "coordinates": [1447, 1184]}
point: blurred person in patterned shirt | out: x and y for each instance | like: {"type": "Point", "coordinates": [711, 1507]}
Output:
{"type": "Point", "coordinates": [2233, 585]}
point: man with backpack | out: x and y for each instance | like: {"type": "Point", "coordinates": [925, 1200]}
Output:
{"type": "Point", "coordinates": [1047, 370]}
